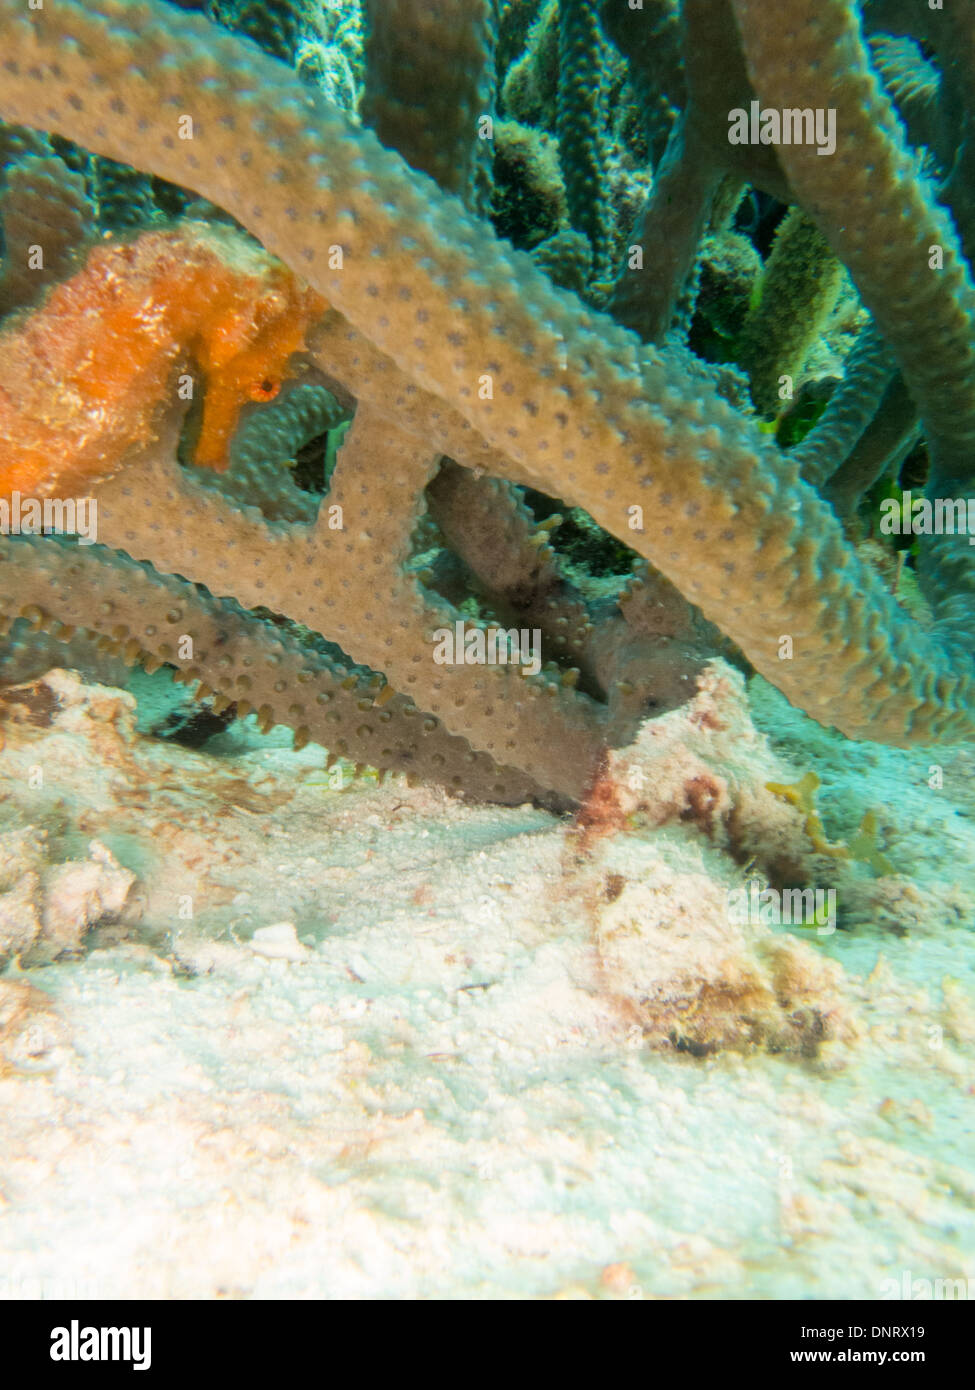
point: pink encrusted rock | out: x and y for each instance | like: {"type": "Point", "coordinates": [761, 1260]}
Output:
{"type": "Point", "coordinates": [78, 894]}
{"type": "Point", "coordinates": [79, 705]}
{"type": "Point", "coordinates": [673, 951]}
{"type": "Point", "coordinates": [22, 854]}
{"type": "Point", "coordinates": [691, 977]}
{"type": "Point", "coordinates": [33, 1037]}
{"type": "Point", "coordinates": [20, 924]}
{"type": "Point", "coordinates": [706, 764]}
{"type": "Point", "coordinates": [46, 909]}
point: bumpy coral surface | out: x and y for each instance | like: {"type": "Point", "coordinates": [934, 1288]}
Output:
{"type": "Point", "coordinates": [552, 403]}
{"type": "Point", "coordinates": [445, 342]}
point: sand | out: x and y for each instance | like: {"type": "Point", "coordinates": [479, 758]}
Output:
{"type": "Point", "coordinates": [262, 1037]}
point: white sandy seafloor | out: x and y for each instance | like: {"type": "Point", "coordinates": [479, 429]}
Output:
{"type": "Point", "coordinates": [454, 1077]}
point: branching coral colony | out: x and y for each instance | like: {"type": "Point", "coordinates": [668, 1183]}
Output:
{"type": "Point", "coordinates": [293, 204]}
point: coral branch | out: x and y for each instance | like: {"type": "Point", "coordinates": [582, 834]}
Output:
{"type": "Point", "coordinates": [453, 343]}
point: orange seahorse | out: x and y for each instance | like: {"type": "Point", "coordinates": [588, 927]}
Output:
{"type": "Point", "coordinates": [84, 377]}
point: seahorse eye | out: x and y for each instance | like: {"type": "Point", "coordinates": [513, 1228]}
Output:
{"type": "Point", "coordinates": [264, 390]}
